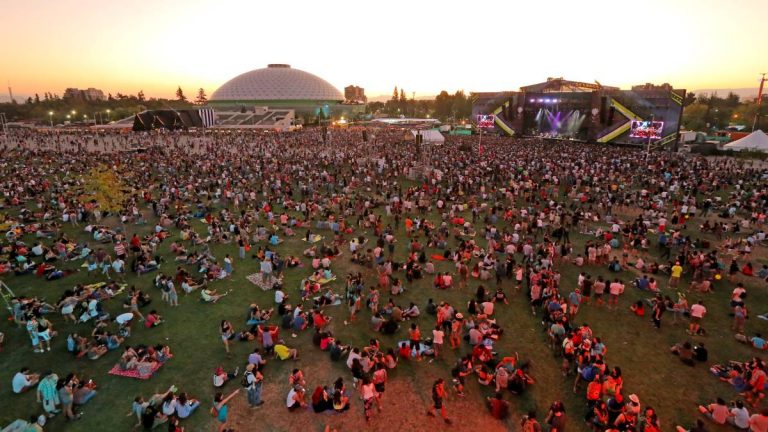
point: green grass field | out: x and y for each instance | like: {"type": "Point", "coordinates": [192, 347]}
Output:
{"type": "Point", "coordinates": [191, 330]}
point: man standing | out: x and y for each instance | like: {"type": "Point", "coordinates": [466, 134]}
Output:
{"type": "Point", "coordinates": [675, 272]}
{"type": "Point", "coordinates": [438, 394]}
{"type": "Point", "coordinates": [697, 313]}
{"type": "Point", "coordinates": [252, 382]}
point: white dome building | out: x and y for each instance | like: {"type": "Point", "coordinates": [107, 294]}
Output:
{"type": "Point", "coordinates": [277, 82]}
{"type": "Point", "coordinates": [279, 86]}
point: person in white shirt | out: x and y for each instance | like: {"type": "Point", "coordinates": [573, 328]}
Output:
{"type": "Point", "coordinates": [697, 313]}
{"type": "Point", "coordinates": [438, 335]}
{"type": "Point", "coordinates": [354, 354]}
{"type": "Point", "coordinates": [279, 296]}
{"type": "Point", "coordinates": [412, 311]}
{"type": "Point", "coordinates": [23, 380]}
{"type": "Point", "coordinates": [739, 416]}
{"type": "Point", "coordinates": [487, 308]}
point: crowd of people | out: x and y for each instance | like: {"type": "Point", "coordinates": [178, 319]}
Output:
{"type": "Point", "coordinates": [494, 224]}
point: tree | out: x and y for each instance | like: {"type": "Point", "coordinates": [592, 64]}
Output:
{"type": "Point", "coordinates": [110, 98]}
{"type": "Point", "coordinates": [140, 96]}
{"type": "Point", "coordinates": [37, 98]}
{"type": "Point", "coordinates": [29, 100]}
{"type": "Point", "coordinates": [462, 105]}
{"type": "Point", "coordinates": [180, 95]}
{"type": "Point", "coordinates": [694, 116]}
{"type": "Point", "coordinates": [104, 186]}
{"type": "Point", "coordinates": [394, 95]}
{"type": "Point", "coordinates": [201, 98]}
{"type": "Point", "coordinates": [690, 99]}
{"type": "Point", "coordinates": [443, 105]}
{"type": "Point", "coordinates": [374, 107]}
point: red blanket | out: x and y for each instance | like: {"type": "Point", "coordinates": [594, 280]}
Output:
{"type": "Point", "coordinates": [134, 373]}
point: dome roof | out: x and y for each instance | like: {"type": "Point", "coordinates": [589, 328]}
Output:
{"type": "Point", "coordinates": [277, 82]}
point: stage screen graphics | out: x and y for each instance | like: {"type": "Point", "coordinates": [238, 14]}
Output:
{"type": "Point", "coordinates": [486, 120]}
{"type": "Point", "coordinates": [646, 129]}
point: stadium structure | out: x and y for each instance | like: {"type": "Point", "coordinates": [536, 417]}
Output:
{"type": "Point", "coordinates": [560, 109]}
{"type": "Point", "coordinates": [275, 97]}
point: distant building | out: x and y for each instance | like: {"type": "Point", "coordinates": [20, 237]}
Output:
{"type": "Point", "coordinates": [649, 86]}
{"type": "Point", "coordinates": [87, 94]}
{"type": "Point", "coordinates": [354, 93]}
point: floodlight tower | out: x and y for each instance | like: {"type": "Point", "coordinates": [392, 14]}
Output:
{"type": "Point", "coordinates": [759, 101]}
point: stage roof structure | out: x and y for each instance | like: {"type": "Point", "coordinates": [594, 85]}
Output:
{"type": "Point", "coordinates": [563, 85]}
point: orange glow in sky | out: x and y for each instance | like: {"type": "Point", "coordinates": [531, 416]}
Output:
{"type": "Point", "coordinates": [422, 46]}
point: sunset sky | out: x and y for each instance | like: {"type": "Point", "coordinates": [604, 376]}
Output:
{"type": "Point", "coordinates": [422, 46]}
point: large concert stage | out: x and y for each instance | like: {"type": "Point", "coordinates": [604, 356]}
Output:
{"type": "Point", "coordinates": [561, 109]}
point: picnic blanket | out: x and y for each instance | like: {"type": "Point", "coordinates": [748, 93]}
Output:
{"type": "Point", "coordinates": [314, 238]}
{"type": "Point", "coordinates": [257, 280]}
{"type": "Point", "coordinates": [438, 257]}
{"type": "Point", "coordinates": [134, 373]}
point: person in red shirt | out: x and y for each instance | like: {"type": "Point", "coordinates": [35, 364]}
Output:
{"type": "Point", "coordinates": [404, 351]}
{"type": "Point", "coordinates": [594, 392]}
{"type": "Point", "coordinates": [414, 335]}
{"type": "Point", "coordinates": [135, 243]}
{"type": "Point", "coordinates": [153, 319]}
{"type": "Point", "coordinates": [319, 320]}
{"type": "Point", "coordinates": [756, 386]}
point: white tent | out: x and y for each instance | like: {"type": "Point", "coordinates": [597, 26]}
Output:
{"type": "Point", "coordinates": [756, 141]}
{"type": "Point", "coordinates": [430, 136]}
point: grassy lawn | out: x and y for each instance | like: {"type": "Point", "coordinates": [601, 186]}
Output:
{"type": "Point", "coordinates": [191, 330]}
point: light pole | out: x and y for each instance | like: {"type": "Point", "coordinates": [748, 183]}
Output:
{"type": "Point", "coordinates": [50, 117]}
{"type": "Point", "coordinates": [109, 116]}
{"type": "Point", "coordinates": [650, 134]}
{"type": "Point", "coordinates": [68, 117]}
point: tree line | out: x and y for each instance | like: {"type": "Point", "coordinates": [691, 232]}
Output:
{"type": "Point", "coordinates": [445, 106]}
{"type": "Point", "coordinates": [114, 107]}
{"type": "Point", "coordinates": [705, 112]}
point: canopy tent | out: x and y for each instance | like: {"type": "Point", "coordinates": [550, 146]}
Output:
{"type": "Point", "coordinates": [431, 136]}
{"type": "Point", "coordinates": [756, 141]}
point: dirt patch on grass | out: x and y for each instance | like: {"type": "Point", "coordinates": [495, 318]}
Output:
{"type": "Point", "coordinates": [403, 408]}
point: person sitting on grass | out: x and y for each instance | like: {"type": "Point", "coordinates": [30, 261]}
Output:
{"type": "Point", "coordinates": [185, 405]}
{"type": "Point", "coordinates": [638, 308]}
{"type": "Point", "coordinates": [321, 401]}
{"type": "Point", "coordinates": [295, 399]}
{"type": "Point", "coordinates": [220, 376]}
{"type": "Point", "coordinates": [716, 411]}
{"type": "Point", "coordinates": [188, 285]}
{"type": "Point", "coordinates": [140, 407]}
{"type": "Point", "coordinates": [153, 319]}
{"type": "Point", "coordinates": [684, 351]}
{"type": "Point", "coordinates": [96, 351]}
{"type": "Point", "coordinates": [83, 392]}
{"type": "Point", "coordinates": [284, 353]}
{"type": "Point", "coordinates": [256, 315]}
{"type": "Point", "coordinates": [211, 296]}
{"type": "Point", "coordinates": [24, 380]}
